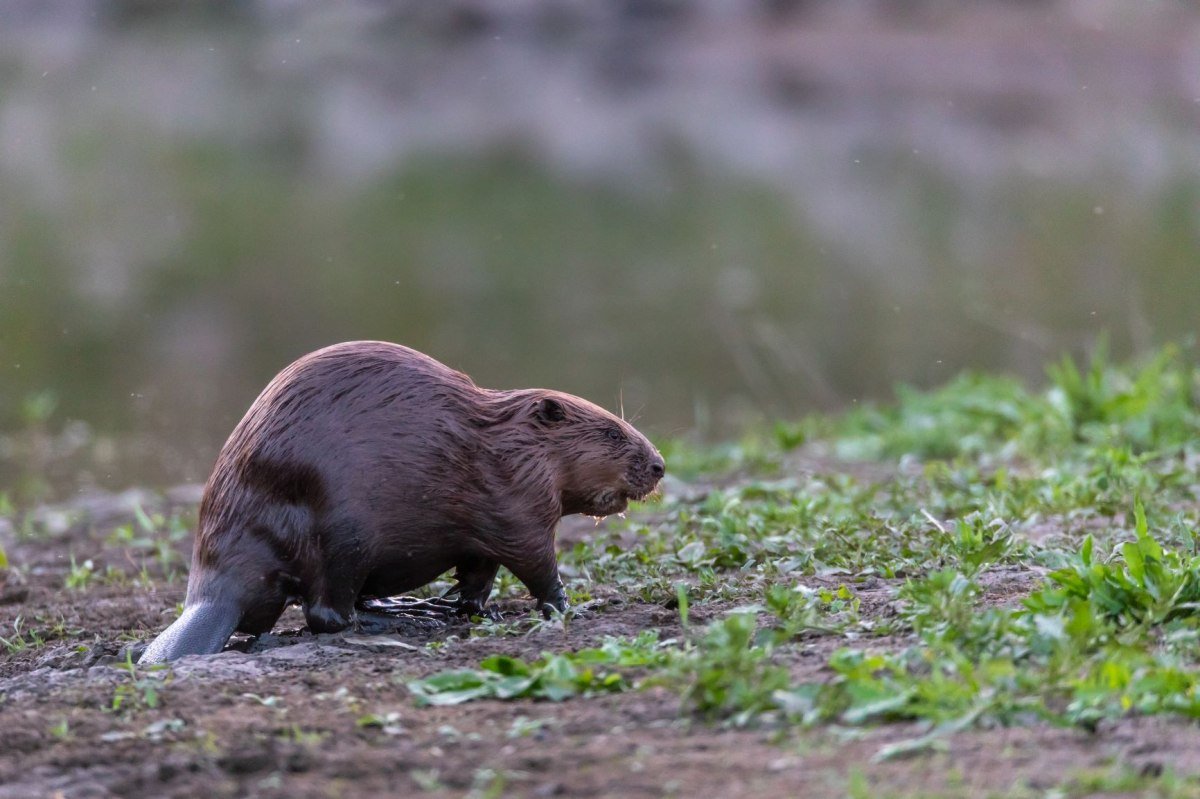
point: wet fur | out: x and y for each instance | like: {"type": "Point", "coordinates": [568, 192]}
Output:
{"type": "Point", "coordinates": [369, 469]}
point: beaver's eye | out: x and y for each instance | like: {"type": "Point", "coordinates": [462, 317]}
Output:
{"type": "Point", "coordinates": [613, 434]}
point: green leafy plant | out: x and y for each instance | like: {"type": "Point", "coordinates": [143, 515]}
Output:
{"type": "Point", "coordinates": [80, 575]}
{"type": "Point", "coordinates": [728, 672]}
{"type": "Point", "coordinates": [801, 609]}
{"type": "Point", "coordinates": [1140, 583]}
{"type": "Point", "coordinates": [553, 676]}
{"type": "Point", "coordinates": [140, 689]}
{"type": "Point", "coordinates": [1148, 405]}
{"type": "Point", "coordinates": [22, 637]}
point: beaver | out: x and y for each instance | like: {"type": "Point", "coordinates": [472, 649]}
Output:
{"type": "Point", "coordinates": [367, 469]}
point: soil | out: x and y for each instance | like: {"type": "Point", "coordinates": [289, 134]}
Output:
{"type": "Point", "coordinates": [285, 718]}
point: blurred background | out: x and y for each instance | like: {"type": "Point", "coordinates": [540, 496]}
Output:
{"type": "Point", "coordinates": [713, 212]}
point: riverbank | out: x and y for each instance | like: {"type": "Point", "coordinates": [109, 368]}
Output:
{"type": "Point", "coordinates": [978, 590]}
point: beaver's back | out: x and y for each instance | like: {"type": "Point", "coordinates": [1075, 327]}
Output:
{"type": "Point", "coordinates": [351, 431]}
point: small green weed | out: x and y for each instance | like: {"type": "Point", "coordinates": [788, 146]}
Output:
{"type": "Point", "coordinates": [80, 575]}
{"type": "Point", "coordinates": [43, 630]}
{"type": "Point", "coordinates": [83, 575]}
{"type": "Point", "coordinates": [1126, 781]}
{"type": "Point", "coordinates": [141, 689]}
{"type": "Point", "coordinates": [22, 637]}
{"type": "Point", "coordinates": [387, 723]}
{"type": "Point", "coordinates": [61, 730]}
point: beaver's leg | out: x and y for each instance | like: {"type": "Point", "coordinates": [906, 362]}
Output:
{"type": "Point", "coordinates": [538, 569]}
{"type": "Point", "coordinates": [333, 584]}
{"type": "Point", "coordinates": [326, 614]}
{"type": "Point", "coordinates": [475, 577]}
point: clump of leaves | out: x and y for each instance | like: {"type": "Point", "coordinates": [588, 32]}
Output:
{"type": "Point", "coordinates": [1080, 649]}
{"type": "Point", "coordinates": [1150, 405]}
{"type": "Point", "coordinates": [1144, 405]}
{"type": "Point", "coordinates": [729, 672]}
{"type": "Point", "coordinates": [1140, 583]}
{"type": "Point", "coordinates": [801, 609]}
{"type": "Point", "coordinates": [552, 676]}
{"type": "Point", "coordinates": [941, 604]}
{"type": "Point", "coordinates": [972, 414]}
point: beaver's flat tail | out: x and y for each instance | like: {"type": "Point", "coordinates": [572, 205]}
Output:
{"type": "Point", "coordinates": [202, 629]}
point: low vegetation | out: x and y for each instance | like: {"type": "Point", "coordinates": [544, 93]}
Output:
{"type": "Point", "coordinates": [1030, 556]}
{"type": "Point", "coordinates": [832, 596]}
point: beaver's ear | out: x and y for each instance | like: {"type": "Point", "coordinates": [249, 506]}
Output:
{"type": "Point", "coordinates": [549, 411]}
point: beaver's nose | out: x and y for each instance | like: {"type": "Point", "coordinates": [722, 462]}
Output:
{"type": "Point", "coordinates": [658, 467]}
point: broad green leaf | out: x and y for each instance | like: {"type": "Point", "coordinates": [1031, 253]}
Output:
{"type": "Point", "coordinates": [505, 665]}
{"type": "Point", "coordinates": [878, 706]}
{"type": "Point", "coordinates": [512, 687]}
{"type": "Point", "coordinates": [1133, 561]}
{"type": "Point", "coordinates": [1139, 516]}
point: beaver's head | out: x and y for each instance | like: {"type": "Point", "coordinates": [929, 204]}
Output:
{"type": "Point", "coordinates": [602, 462]}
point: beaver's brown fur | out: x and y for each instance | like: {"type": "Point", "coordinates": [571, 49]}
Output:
{"type": "Point", "coordinates": [368, 469]}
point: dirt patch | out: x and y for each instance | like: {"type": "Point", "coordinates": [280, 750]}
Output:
{"type": "Point", "coordinates": [300, 715]}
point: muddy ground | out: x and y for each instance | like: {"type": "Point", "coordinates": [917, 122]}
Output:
{"type": "Point", "coordinates": [290, 716]}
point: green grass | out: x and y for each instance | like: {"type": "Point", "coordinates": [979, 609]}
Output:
{"type": "Point", "coordinates": [1030, 556]}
